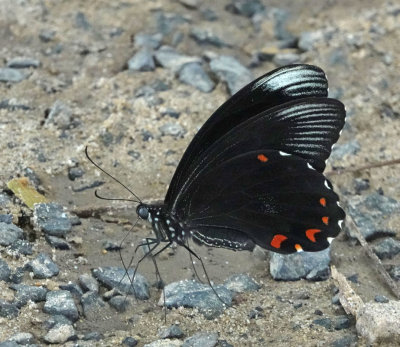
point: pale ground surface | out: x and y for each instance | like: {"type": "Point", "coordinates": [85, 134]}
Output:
{"type": "Point", "coordinates": [96, 85]}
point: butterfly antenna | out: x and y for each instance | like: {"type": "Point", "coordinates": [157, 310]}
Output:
{"type": "Point", "coordinates": [109, 175]}
{"type": "Point", "coordinates": [206, 274]}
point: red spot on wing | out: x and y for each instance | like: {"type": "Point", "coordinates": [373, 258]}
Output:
{"type": "Point", "coordinates": [262, 157]}
{"type": "Point", "coordinates": [277, 240]}
{"type": "Point", "coordinates": [325, 220]}
{"type": "Point", "coordinates": [322, 201]}
{"type": "Point", "coordinates": [310, 233]}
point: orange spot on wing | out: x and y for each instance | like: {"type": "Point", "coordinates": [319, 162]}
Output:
{"type": "Point", "coordinates": [325, 220]}
{"type": "Point", "coordinates": [262, 157]}
{"type": "Point", "coordinates": [298, 247]}
{"type": "Point", "coordinates": [322, 201]}
{"type": "Point", "coordinates": [277, 240]}
{"type": "Point", "coordinates": [310, 233]}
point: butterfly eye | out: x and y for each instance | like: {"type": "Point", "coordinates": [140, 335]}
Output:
{"type": "Point", "coordinates": [142, 212]}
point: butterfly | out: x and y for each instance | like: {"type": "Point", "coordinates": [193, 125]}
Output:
{"type": "Point", "coordinates": [253, 174]}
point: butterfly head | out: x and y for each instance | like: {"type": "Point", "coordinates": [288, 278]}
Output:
{"type": "Point", "coordinates": [142, 211]}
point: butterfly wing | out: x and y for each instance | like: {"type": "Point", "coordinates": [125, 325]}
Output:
{"type": "Point", "coordinates": [307, 128]}
{"type": "Point", "coordinates": [275, 88]}
{"type": "Point", "coordinates": [263, 197]}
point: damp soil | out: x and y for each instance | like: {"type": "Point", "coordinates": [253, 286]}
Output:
{"type": "Point", "coordinates": [90, 76]}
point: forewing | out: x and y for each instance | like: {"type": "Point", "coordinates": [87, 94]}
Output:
{"type": "Point", "coordinates": [262, 197]}
{"type": "Point", "coordinates": [277, 87]}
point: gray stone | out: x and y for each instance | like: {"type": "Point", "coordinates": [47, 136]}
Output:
{"type": "Point", "coordinates": [241, 283]}
{"type": "Point", "coordinates": [172, 332]}
{"type": "Point", "coordinates": [60, 302]}
{"type": "Point", "coordinates": [381, 298]}
{"type": "Point", "coordinates": [246, 8]}
{"type": "Point", "coordinates": [6, 218]}
{"type": "Point", "coordinates": [231, 71]}
{"type": "Point", "coordinates": [379, 323]}
{"type": "Point", "coordinates": [88, 283]}
{"type": "Point", "coordinates": [172, 129]}
{"type": "Point", "coordinates": [60, 334]}
{"type": "Point", "coordinates": [308, 40]}
{"type": "Point", "coordinates": [191, 4]}
{"type": "Point", "coordinates": [60, 115]}
{"type": "Point", "coordinates": [75, 172]}
{"type": "Point", "coordinates": [93, 336]}
{"type": "Point", "coordinates": [142, 60]}
{"type": "Point", "coordinates": [9, 344]}
{"type": "Point", "coordinates": [21, 247]}
{"type": "Point", "coordinates": [73, 288]}
{"type": "Point", "coordinates": [206, 37]}
{"type": "Point", "coordinates": [169, 58]}
{"type": "Point", "coordinates": [43, 267]}
{"type": "Point", "coordinates": [344, 150]}
{"type": "Point", "coordinates": [22, 338]}
{"type": "Point", "coordinates": [324, 322]}
{"type": "Point", "coordinates": [81, 21]}
{"type": "Point", "coordinates": [193, 74]}
{"type": "Point", "coordinates": [168, 22]}
{"type": "Point", "coordinates": [55, 320]}
{"type": "Point", "coordinates": [11, 75]}
{"type": "Point", "coordinates": [197, 295]}
{"type": "Point", "coordinates": [282, 59]}
{"type": "Point", "coordinates": [281, 17]}
{"type": "Point", "coordinates": [25, 293]}
{"type": "Point", "coordinates": [8, 310]}
{"type": "Point", "coordinates": [387, 249]}
{"type": "Point", "coordinates": [129, 341]}
{"type": "Point", "coordinates": [371, 213]}
{"type": "Point", "coordinates": [47, 35]}
{"type": "Point", "coordinates": [116, 277]}
{"type": "Point", "coordinates": [345, 341]}
{"type": "Point", "coordinates": [292, 267]}
{"type": "Point", "coordinates": [170, 112]}
{"type": "Point", "coordinates": [57, 242]}
{"type": "Point", "coordinates": [51, 218]}
{"type": "Point", "coordinates": [202, 339]}
{"type": "Point", "coordinates": [164, 343]}
{"type": "Point", "coordinates": [92, 305]}
{"type": "Point", "coordinates": [23, 63]}
{"type": "Point", "coordinates": [18, 275]}
{"type": "Point", "coordinates": [9, 233]}
{"type": "Point", "coordinates": [119, 302]}
{"type": "Point", "coordinates": [395, 272]}
{"type": "Point", "coordinates": [5, 271]}
{"type": "Point", "coordinates": [147, 40]}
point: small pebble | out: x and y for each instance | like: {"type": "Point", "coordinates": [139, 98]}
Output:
{"type": "Point", "coordinates": [381, 299]}
{"type": "Point", "coordinates": [142, 61]}
{"type": "Point", "coordinates": [93, 336]}
{"type": "Point", "coordinates": [43, 267]}
{"type": "Point", "coordinates": [57, 242]}
{"type": "Point", "coordinates": [387, 249]}
{"type": "Point", "coordinates": [60, 302]}
{"type": "Point", "coordinates": [282, 59]}
{"type": "Point", "coordinates": [23, 63]}
{"type": "Point", "coordinates": [88, 283]}
{"type": "Point", "coordinates": [241, 283]}
{"type": "Point", "coordinates": [193, 74]}
{"type": "Point", "coordinates": [147, 40]}
{"type": "Point", "coordinates": [11, 75]}
{"type": "Point", "coordinates": [25, 293]}
{"type": "Point", "coordinates": [9, 233]}
{"type": "Point", "coordinates": [8, 310]}
{"type": "Point", "coordinates": [92, 305]}
{"type": "Point", "coordinates": [203, 339]}
{"type": "Point", "coordinates": [172, 129]}
{"type": "Point", "coordinates": [119, 302]}
{"type": "Point", "coordinates": [52, 219]}
{"type": "Point", "coordinates": [60, 334]}
{"type": "Point", "coordinates": [172, 332]}
{"type": "Point", "coordinates": [21, 247]}
{"type": "Point", "coordinates": [5, 271]}
{"type": "Point", "coordinates": [130, 342]}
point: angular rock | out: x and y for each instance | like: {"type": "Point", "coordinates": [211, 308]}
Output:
{"type": "Point", "coordinates": [172, 332]}
{"type": "Point", "coordinates": [130, 342]}
{"type": "Point", "coordinates": [75, 172]}
{"type": "Point", "coordinates": [25, 293]}
{"type": "Point", "coordinates": [147, 40]}
{"type": "Point", "coordinates": [380, 323]}
{"type": "Point", "coordinates": [6, 218]}
{"type": "Point", "coordinates": [231, 71]}
{"type": "Point", "coordinates": [170, 113]}
{"type": "Point", "coordinates": [387, 248]}
{"type": "Point", "coordinates": [193, 74]}
{"type": "Point", "coordinates": [381, 299]}
{"type": "Point", "coordinates": [93, 336]}
{"type": "Point", "coordinates": [308, 40]}
{"type": "Point", "coordinates": [11, 75]}
{"type": "Point", "coordinates": [5, 271]}
{"type": "Point", "coordinates": [88, 283]}
{"type": "Point", "coordinates": [47, 35]}
{"type": "Point", "coordinates": [92, 305]}
{"type": "Point", "coordinates": [9, 233]}
{"type": "Point", "coordinates": [203, 36]}
{"type": "Point", "coordinates": [60, 302]}
{"type": "Point", "coordinates": [197, 295]}
{"type": "Point", "coordinates": [371, 213]}
{"type": "Point", "coordinates": [42, 267]}
{"type": "Point", "coordinates": [23, 63]}
{"type": "Point", "coordinates": [22, 338]}
{"type": "Point", "coordinates": [73, 288]}
{"type": "Point", "coordinates": [142, 60]}
{"type": "Point", "coordinates": [57, 242]}
{"type": "Point", "coordinates": [241, 283]}
{"type": "Point", "coordinates": [203, 339]}
{"type": "Point", "coordinates": [169, 58]}
{"type": "Point", "coordinates": [52, 219]}
{"type": "Point", "coordinates": [245, 8]}
{"type": "Point", "coordinates": [111, 245]}
{"type": "Point", "coordinates": [21, 247]}
{"type": "Point", "coordinates": [8, 310]}
{"type": "Point", "coordinates": [168, 22]}
{"type": "Point", "coordinates": [292, 267]}
{"type": "Point", "coordinates": [116, 277]}
{"type": "Point", "coordinates": [60, 334]}
{"type": "Point", "coordinates": [395, 272]}
{"type": "Point", "coordinates": [60, 115]}
{"type": "Point", "coordinates": [282, 59]}
{"type": "Point", "coordinates": [172, 129]}
{"type": "Point", "coordinates": [55, 320]}
{"type": "Point", "coordinates": [119, 302]}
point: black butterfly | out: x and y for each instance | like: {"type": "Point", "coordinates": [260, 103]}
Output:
{"type": "Point", "coordinates": [252, 175]}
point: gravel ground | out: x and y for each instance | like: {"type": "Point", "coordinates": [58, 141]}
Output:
{"type": "Point", "coordinates": [135, 80]}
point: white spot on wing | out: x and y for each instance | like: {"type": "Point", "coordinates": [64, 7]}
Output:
{"type": "Point", "coordinates": [310, 167]}
{"type": "Point", "coordinates": [340, 223]}
{"type": "Point", "coordinates": [284, 154]}
{"type": "Point", "coordinates": [326, 184]}
{"type": "Point", "coordinates": [330, 239]}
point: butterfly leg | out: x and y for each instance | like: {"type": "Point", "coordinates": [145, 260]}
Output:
{"type": "Point", "coordinates": [205, 272]}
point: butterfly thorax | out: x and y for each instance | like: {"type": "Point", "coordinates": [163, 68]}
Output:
{"type": "Point", "coordinates": [166, 227]}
